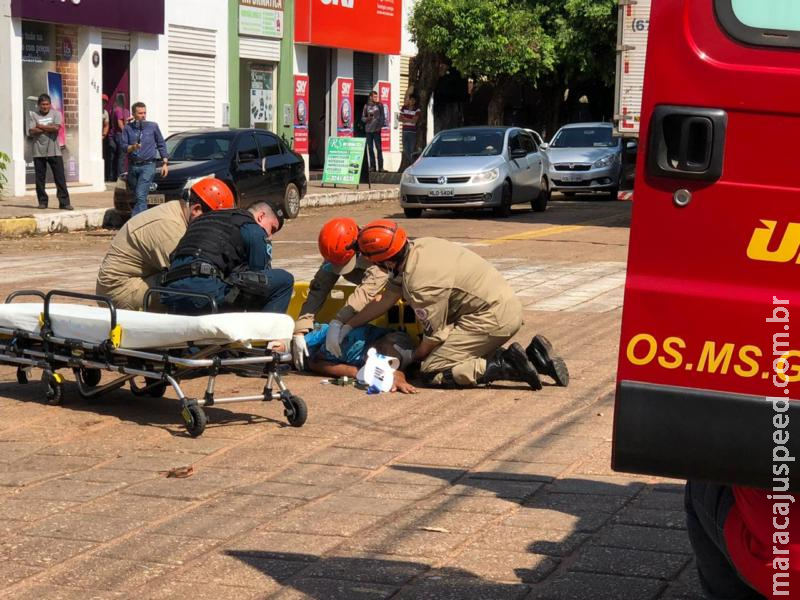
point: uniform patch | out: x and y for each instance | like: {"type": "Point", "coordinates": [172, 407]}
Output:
{"type": "Point", "coordinates": [421, 313]}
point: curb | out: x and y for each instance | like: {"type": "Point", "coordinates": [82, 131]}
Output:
{"type": "Point", "coordinates": [94, 218]}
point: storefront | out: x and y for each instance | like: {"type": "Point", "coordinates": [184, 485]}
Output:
{"type": "Point", "coordinates": [344, 50]}
{"type": "Point", "coordinates": [172, 56]}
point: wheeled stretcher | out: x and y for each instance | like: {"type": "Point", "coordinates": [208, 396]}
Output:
{"type": "Point", "coordinates": [162, 349]}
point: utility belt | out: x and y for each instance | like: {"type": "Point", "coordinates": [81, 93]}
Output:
{"type": "Point", "coordinates": [249, 284]}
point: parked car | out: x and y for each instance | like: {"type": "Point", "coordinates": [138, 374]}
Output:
{"type": "Point", "coordinates": [476, 167]}
{"type": "Point", "coordinates": [585, 157]}
{"type": "Point", "coordinates": [256, 164]}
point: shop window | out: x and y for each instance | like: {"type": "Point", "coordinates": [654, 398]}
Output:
{"type": "Point", "coordinates": [257, 94]}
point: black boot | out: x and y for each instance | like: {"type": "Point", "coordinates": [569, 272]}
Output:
{"type": "Point", "coordinates": [540, 353]}
{"type": "Point", "coordinates": [511, 364]}
{"type": "Point", "coordinates": [447, 381]}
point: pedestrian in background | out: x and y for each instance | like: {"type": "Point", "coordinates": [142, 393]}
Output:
{"type": "Point", "coordinates": [119, 118]}
{"type": "Point", "coordinates": [142, 139]}
{"type": "Point", "coordinates": [409, 117]}
{"type": "Point", "coordinates": [108, 143]}
{"type": "Point", "coordinates": [43, 127]}
{"type": "Point", "coordinates": [373, 118]}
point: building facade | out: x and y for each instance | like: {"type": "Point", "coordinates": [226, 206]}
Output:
{"type": "Point", "coordinates": [171, 55]}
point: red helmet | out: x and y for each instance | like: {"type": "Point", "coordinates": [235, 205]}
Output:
{"type": "Point", "coordinates": [381, 240]}
{"type": "Point", "coordinates": [338, 242]}
{"type": "Point", "coordinates": [214, 193]}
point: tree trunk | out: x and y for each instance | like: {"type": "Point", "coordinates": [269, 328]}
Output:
{"type": "Point", "coordinates": [497, 105]}
{"type": "Point", "coordinates": [422, 78]}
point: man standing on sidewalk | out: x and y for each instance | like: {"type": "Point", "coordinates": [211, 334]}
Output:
{"type": "Point", "coordinates": [374, 120]}
{"type": "Point", "coordinates": [43, 127]}
{"type": "Point", "coordinates": [142, 139]}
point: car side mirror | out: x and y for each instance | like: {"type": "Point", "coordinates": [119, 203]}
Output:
{"type": "Point", "coordinates": [632, 145]}
{"type": "Point", "coordinates": [518, 153]}
{"type": "Point", "coordinates": [544, 146]}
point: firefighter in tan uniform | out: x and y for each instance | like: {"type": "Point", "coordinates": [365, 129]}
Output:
{"type": "Point", "coordinates": [338, 245]}
{"type": "Point", "coordinates": [140, 251]}
{"type": "Point", "coordinates": [467, 309]}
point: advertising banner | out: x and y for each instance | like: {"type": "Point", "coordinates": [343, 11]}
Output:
{"type": "Point", "coordinates": [343, 160]}
{"type": "Point", "coordinates": [366, 25]}
{"type": "Point", "coordinates": [301, 114]}
{"type": "Point", "coordinates": [385, 97]}
{"type": "Point", "coordinates": [146, 16]}
{"type": "Point", "coordinates": [55, 91]}
{"type": "Point", "coordinates": [345, 103]}
{"type": "Point", "coordinates": [261, 96]}
{"type": "Point", "coordinates": [261, 22]}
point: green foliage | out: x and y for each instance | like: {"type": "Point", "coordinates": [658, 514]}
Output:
{"type": "Point", "coordinates": [4, 160]}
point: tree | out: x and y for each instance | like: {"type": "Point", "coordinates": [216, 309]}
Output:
{"type": "Point", "coordinates": [492, 41]}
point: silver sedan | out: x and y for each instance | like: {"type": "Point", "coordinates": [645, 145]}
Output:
{"type": "Point", "coordinates": [476, 167]}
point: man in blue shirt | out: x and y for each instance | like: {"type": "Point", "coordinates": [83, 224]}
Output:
{"type": "Point", "coordinates": [227, 255]}
{"type": "Point", "coordinates": [142, 139]}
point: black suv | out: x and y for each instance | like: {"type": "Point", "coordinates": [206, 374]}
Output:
{"type": "Point", "coordinates": [256, 164]}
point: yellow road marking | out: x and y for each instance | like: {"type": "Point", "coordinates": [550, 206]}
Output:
{"type": "Point", "coordinates": [547, 231]}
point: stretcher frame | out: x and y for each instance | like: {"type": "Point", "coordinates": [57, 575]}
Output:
{"type": "Point", "coordinates": [45, 351]}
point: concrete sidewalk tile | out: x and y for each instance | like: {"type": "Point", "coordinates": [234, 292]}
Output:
{"type": "Point", "coordinates": [372, 568]}
{"type": "Point", "coordinates": [498, 488]}
{"type": "Point", "coordinates": [351, 457]}
{"type": "Point", "coordinates": [53, 592]}
{"type": "Point", "coordinates": [18, 479]}
{"type": "Point", "coordinates": [380, 442]}
{"type": "Point", "coordinates": [535, 541]}
{"type": "Point", "coordinates": [584, 502]}
{"type": "Point", "coordinates": [9, 526]}
{"type": "Point", "coordinates": [517, 471]}
{"type": "Point", "coordinates": [596, 485]}
{"type": "Point", "coordinates": [591, 586]}
{"type": "Point", "coordinates": [488, 504]}
{"type": "Point", "coordinates": [286, 546]}
{"type": "Point", "coordinates": [461, 587]}
{"type": "Point", "coordinates": [12, 507]}
{"type": "Point", "coordinates": [322, 523]}
{"type": "Point", "coordinates": [152, 462]}
{"type": "Point", "coordinates": [62, 464]}
{"type": "Point", "coordinates": [76, 526]}
{"type": "Point", "coordinates": [106, 574]}
{"type": "Point", "coordinates": [392, 491]}
{"type": "Point", "coordinates": [163, 549]}
{"type": "Point", "coordinates": [449, 521]}
{"type": "Point", "coordinates": [445, 457]}
{"type": "Point", "coordinates": [288, 490]}
{"type": "Point", "coordinates": [12, 572]}
{"type": "Point", "coordinates": [136, 508]}
{"type": "Point", "coordinates": [200, 523]}
{"type": "Point", "coordinates": [657, 500]}
{"type": "Point", "coordinates": [645, 538]}
{"type": "Point", "coordinates": [13, 450]}
{"type": "Point", "coordinates": [257, 571]}
{"type": "Point", "coordinates": [498, 565]}
{"type": "Point", "coordinates": [418, 475]}
{"type": "Point", "coordinates": [670, 519]}
{"type": "Point", "coordinates": [172, 590]}
{"type": "Point", "coordinates": [102, 475]}
{"type": "Point", "coordinates": [248, 506]}
{"type": "Point", "coordinates": [406, 542]}
{"type": "Point", "coordinates": [624, 561]}
{"type": "Point", "coordinates": [358, 505]}
{"type": "Point", "coordinates": [305, 588]}
{"type": "Point", "coordinates": [557, 520]}
{"type": "Point", "coordinates": [326, 475]}
{"type": "Point", "coordinates": [175, 488]}
{"type": "Point", "coordinates": [41, 551]}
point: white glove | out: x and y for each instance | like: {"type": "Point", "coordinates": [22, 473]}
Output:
{"type": "Point", "coordinates": [299, 351]}
{"type": "Point", "coordinates": [333, 339]}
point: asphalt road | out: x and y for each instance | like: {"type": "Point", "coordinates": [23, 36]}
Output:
{"type": "Point", "coordinates": [490, 493]}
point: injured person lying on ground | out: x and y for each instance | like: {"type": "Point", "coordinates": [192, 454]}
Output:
{"type": "Point", "coordinates": [354, 348]}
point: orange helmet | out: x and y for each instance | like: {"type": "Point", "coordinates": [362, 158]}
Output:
{"type": "Point", "coordinates": [212, 192]}
{"type": "Point", "coordinates": [338, 242]}
{"type": "Point", "coordinates": [381, 240]}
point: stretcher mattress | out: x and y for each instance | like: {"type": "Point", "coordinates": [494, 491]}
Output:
{"type": "Point", "coordinates": [141, 330]}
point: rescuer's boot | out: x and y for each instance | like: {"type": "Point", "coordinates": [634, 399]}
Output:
{"type": "Point", "coordinates": [511, 364]}
{"type": "Point", "coordinates": [540, 353]}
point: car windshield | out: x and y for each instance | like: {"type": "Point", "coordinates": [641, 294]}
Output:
{"type": "Point", "coordinates": [487, 142]}
{"type": "Point", "coordinates": [198, 147]}
{"type": "Point", "coordinates": [584, 137]}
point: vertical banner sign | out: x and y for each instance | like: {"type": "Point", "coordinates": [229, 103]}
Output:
{"type": "Point", "coordinates": [345, 103]}
{"type": "Point", "coordinates": [385, 96]}
{"type": "Point", "coordinates": [55, 91]}
{"type": "Point", "coordinates": [301, 114]}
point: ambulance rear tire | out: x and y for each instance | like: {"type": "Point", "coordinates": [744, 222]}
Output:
{"type": "Point", "coordinates": [196, 422]}
{"type": "Point", "coordinates": [296, 411]}
{"type": "Point", "coordinates": [412, 213]}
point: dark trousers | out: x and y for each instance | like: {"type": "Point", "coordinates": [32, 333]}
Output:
{"type": "Point", "coordinates": [374, 138]}
{"type": "Point", "coordinates": [120, 155]}
{"type": "Point", "coordinates": [707, 506]}
{"type": "Point", "coordinates": [110, 158]}
{"type": "Point", "coordinates": [57, 167]}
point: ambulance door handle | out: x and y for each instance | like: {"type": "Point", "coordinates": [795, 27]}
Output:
{"type": "Point", "coordinates": [687, 143]}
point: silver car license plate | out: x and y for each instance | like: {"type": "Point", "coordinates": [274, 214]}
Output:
{"type": "Point", "coordinates": [156, 198]}
{"type": "Point", "coordinates": [441, 192]}
{"type": "Point", "coordinates": [570, 177]}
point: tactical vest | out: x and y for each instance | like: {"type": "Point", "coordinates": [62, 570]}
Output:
{"type": "Point", "coordinates": [215, 238]}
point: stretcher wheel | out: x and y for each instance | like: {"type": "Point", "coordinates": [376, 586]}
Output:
{"type": "Point", "coordinates": [22, 376]}
{"type": "Point", "coordinates": [296, 411]}
{"type": "Point", "coordinates": [55, 388]}
{"type": "Point", "coordinates": [156, 391]}
{"type": "Point", "coordinates": [194, 418]}
{"type": "Point", "coordinates": [91, 377]}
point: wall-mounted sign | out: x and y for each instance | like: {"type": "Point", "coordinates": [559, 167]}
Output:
{"type": "Point", "coordinates": [261, 18]}
{"type": "Point", "coordinates": [345, 104]}
{"type": "Point", "coordinates": [146, 16]}
{"type": "Point", "coordinates": [301, 114]}
{"type": "Point", "coordinates": [96, 58]}
{"type": "Point", "coordinates": [365, 25]}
